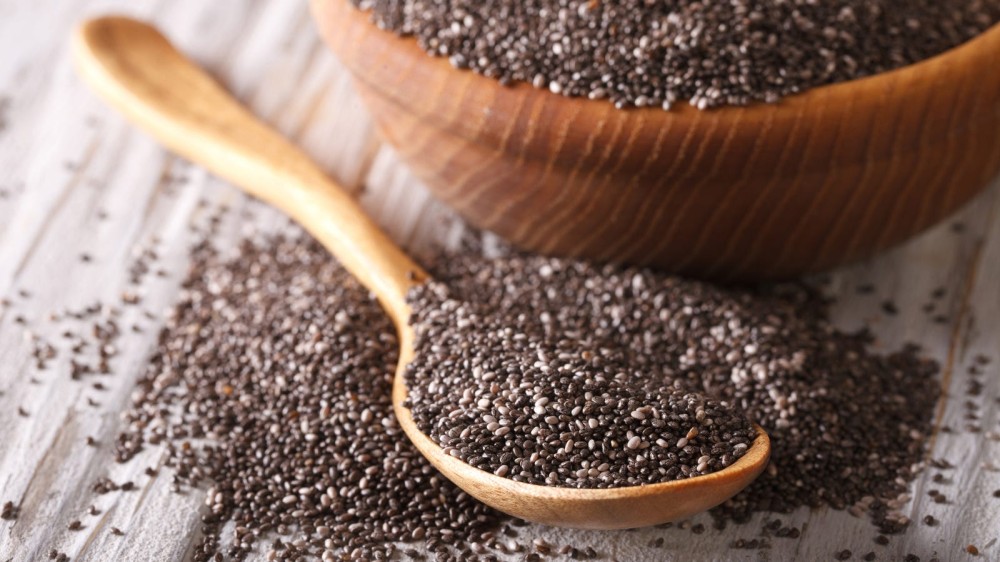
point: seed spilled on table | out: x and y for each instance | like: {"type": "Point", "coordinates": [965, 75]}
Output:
{"type": "Point", "coordinates": [271, 383]}
{"type": "Point", "coordinates": [256, 387]}
{"type": "Point", "coordinates": [9, 511]}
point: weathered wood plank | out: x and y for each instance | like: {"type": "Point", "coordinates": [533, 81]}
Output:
{"type": "Point", "coordinates": [267, 52]}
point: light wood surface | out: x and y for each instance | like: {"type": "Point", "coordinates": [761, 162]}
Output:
{"type": "Point", "coordinates": [137, 71]}
{"type": "Point", "coordinates": [66, 161]}
{"type": "Point", "coordinates": [767, 191]}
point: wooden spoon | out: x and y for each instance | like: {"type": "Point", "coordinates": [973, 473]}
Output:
{"type": "Point", "coordinates": [137, 71]}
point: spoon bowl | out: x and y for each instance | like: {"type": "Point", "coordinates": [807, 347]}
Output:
{"type": "Point", "coordinates": [136, 70]}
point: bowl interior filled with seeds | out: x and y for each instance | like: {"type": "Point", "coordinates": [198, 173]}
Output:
{"type": "Point", "coordinates": [737, 140]}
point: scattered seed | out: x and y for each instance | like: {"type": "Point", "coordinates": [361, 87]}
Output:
{"type": "Point", "coordinates": [9, 511]}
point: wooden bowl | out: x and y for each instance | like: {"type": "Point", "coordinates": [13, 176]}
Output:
{"type": "Point", "coordinates": [767, 191]}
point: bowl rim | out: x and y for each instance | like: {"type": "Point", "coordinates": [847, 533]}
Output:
{"type": "Point", "coordinates": [977, 47]}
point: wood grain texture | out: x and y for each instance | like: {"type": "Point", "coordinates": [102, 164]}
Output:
{"type": "Point", "coordinates": [768, 191]}
{"type": "Point", "coordinates": [267, 52]}
{"type": "Point", "coordinates": [138, 72]}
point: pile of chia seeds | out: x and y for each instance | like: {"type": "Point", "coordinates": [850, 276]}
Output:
{"type": "Point", "coordinates": [271, 383]}
{"type": "Point", "coordinates": [559, 372]}
{"type": "Point", "coordinates": [654, 53]}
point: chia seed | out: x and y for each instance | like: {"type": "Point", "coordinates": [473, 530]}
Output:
{"type": "Point", "coordinates": [9, 512]}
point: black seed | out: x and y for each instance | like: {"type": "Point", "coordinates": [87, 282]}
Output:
{"type": "Point", "coordinates": [9, 511]}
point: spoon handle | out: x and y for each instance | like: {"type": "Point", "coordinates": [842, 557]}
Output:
{"type": "Point", "coordinates": [136, 70]}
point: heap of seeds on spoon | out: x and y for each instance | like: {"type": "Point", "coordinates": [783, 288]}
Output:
{"type": "Point", "coordinates": [644, 53]}
{"type": "Point", "coordinates": [546, 372]}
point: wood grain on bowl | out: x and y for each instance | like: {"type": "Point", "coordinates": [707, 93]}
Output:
{"type": "Point", "coordinates": [766, 191]}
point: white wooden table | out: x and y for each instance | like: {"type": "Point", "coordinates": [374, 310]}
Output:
{"type": "Point", "coordinates": [75, 178]}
